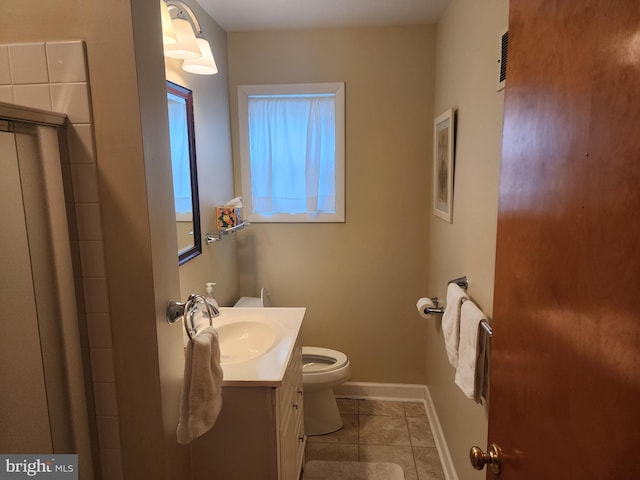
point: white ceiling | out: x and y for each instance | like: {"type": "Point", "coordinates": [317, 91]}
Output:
{"type": "Point", "coordinates": [239, 15]}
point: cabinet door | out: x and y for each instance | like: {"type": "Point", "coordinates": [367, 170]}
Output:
{"type": "Point", "coordinates": [290, 411]}
{"type": "Point", "coordinates": [243, 442]}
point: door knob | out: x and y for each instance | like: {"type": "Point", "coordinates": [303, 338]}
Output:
{"type": "Point", "coordinates": [493, 457]}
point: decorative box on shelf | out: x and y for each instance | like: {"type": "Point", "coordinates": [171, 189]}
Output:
{"type": "Point", "coordinates": [228, 217]}
{"type": "Point", "coordinates": [228, 220]}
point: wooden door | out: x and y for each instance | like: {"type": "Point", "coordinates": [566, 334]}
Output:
{"type": "Point", "coordinates": [565, 379]}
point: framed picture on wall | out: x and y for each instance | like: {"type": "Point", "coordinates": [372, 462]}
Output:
{"type": "Point", "coordinates": [443, 151]}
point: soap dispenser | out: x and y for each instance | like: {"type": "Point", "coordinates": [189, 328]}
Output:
{"type": "Point", "coordinates": [209, 298]}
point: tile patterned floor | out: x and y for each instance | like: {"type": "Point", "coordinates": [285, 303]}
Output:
{"type": "Point", "coordinates": [381, 431]}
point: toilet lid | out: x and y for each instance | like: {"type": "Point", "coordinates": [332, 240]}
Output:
{"type": "Point", "coordinates": [318, 359]}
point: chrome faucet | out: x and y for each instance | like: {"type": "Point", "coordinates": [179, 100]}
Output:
{"type": "Point", "coordinates": [176, 310]}
{"type": "Point", "coordinates": [212, 310]}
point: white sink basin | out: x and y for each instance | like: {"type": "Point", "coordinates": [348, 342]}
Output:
{"type": "Point", "coordinates": [246, 339]}
{"type": "Point", "coordinates": [256, 343]}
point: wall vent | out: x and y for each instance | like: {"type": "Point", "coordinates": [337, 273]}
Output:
{"type": "Point", "coordinates": [502, 59]}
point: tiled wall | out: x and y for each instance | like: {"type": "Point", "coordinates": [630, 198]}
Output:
{"type": "Point", "coordinates": [54, 76]}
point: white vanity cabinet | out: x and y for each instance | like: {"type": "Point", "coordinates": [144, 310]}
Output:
{"type": "Point", "coordinates": [259, 434]}
{"type": "Point", "coordinates": [290, 419]}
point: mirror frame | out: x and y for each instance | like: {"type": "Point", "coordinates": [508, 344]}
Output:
{"type": "Point", "coordinates": [186, 94]}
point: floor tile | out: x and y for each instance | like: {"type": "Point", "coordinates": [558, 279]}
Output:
{"type": "Point", "coordinates": [428, 463]}
{"type": "Point", "coordinates": [332, 451]}
{"type": "Point", "coordinates": [414, 409]}
{"type": "Point", "coordinates": [347, 406]}
{"type": "Point", "coordinates": [401, 455]}
{"type": "Point", "coordinates": [379, 407]}
{"type": "Point", "coordinates": [383, 430]}
{"type": "Point", "coordinates": [347, 434]}
{"type": "Point", "coordinates": [419, 432]}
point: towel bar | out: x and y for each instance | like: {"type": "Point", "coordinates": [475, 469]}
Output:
{"type": "Point", "coordinates": [439, 311]}
{"type": "Point", "coordinates": [484, 324]}
{"type": "Point", "coordinates": [463, 283]}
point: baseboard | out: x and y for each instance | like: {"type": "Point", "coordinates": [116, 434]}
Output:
{"type": "Point", "coordinates": [380, 391]}
{"type": "Point", "coordinates": [438, 436]}
{"type": "Point", "coordinates": [404, 393]}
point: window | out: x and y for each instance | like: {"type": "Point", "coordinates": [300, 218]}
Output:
{"type": "Point", "coordinates": [292, 152]}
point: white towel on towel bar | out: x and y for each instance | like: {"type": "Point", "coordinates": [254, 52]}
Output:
{"type": "Point", "coordinates": [472, 361]}
{"type": "Point", "coordinates": [451, 321]}
{"type": "Point", "coordinates": [201, 400]}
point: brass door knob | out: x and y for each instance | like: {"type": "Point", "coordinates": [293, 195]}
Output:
{"type": "Point", "coordinates": [493, 457]}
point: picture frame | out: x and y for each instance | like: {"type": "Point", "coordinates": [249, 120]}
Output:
{"type": "Point", "coordinates": [443, 164]}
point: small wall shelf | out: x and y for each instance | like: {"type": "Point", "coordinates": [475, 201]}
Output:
{"type": "Point", "coordinates": [216, 237]}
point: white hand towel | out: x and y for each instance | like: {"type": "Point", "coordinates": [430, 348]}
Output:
{"type": "Point", "coordinates": [451, 321]}
{"type": "Point", "coordinates": [201, 399]}
{"type": "Point", "coordinates": [470, 373]}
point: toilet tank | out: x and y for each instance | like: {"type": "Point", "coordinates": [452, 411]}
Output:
{"type": "Point", "coordinates": [262, 301]}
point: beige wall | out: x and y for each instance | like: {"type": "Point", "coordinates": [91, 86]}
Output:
{"type": "Point", "coordinates": [466, 57]}
{"type": "Point", "coordinates": [219, 261]}
{"type": "Point", "coordinates": [359, 280]}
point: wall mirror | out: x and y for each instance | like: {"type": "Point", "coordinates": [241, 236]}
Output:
{"type": "Point", "coordinates": [185, 175]}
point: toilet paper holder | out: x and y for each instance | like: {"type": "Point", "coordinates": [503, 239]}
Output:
{"type": "Point", "coordinates": [435, 309]}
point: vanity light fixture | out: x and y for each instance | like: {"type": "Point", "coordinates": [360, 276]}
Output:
{"type": "Point", "coordinates": [205, 65]}
{"type": "Point", "coordinates": [168, 32]}
{"type": "Point", "coordinates": [186, 46]}
{"type": "Point", "coordinates": [191, 46]}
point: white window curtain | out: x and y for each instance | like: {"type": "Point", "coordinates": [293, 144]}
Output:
{"type": "Point", "coordinates": [292, 145]}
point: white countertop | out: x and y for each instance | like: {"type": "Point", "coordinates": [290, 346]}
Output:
{"type": "Point", "coordinates": [267, 369]}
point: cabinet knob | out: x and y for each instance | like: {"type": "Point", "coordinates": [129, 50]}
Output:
{"type": "Point", "coordinates": [297, 404]}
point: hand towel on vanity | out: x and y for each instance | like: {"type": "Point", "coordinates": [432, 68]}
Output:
{"type": "Point", "coordinates": [201, 399]}
{"type": "Point", "coordinates": [451, 321]}
{"type": "Point", "coordinates": [470, 373]}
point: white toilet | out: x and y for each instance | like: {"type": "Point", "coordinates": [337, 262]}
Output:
{"type": "Point", "coordinates": [322, 370]}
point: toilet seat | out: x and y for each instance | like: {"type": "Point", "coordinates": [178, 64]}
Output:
{"type": "Point", "coordinates": [320, 360]}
